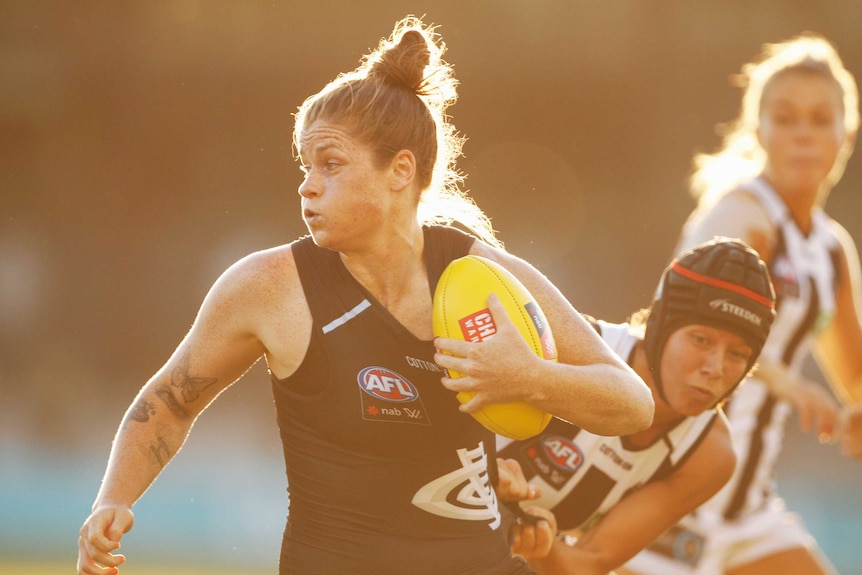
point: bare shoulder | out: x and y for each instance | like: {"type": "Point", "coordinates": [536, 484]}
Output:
{"type": "Point", "coordinates": [253, 289]}
{"type": "Point", "coordinates": [261, 275]}
{"type": "Point", "coordinates": [521, 268]}
{"type": "Point", "coordinates": [480, 248]}
{"type": "Point", "coordinates": [737, 214]}
{"type": "Point", "coordinates": [546, 293]}
{"type": "Point", "coordinates": [574, 336]}
{"type": "Point", "coordinates": [261, 295]}
{"type": "Point", "coordinates": [269, 262]}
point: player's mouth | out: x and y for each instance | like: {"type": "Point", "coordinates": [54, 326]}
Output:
{"type": "Point", "coordinates": [702, 394]}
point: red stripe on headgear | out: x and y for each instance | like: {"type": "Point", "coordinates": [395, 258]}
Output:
{"type": "Point", "coordinates": [692, 275]}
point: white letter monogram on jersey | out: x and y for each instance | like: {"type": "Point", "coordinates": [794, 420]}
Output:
{"type": "Point", "coordinates": [476, 500]}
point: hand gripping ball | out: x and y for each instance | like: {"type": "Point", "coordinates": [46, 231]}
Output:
{"type": "Point", "coordinates": [461, 312]}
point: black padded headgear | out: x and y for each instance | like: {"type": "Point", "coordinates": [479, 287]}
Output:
{"type": "Point", "coordinates": [721, 283]}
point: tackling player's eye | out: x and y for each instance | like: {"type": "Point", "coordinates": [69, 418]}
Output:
{"type": "Point", "coordinates": [742, 354]}
{"type": "Point", "coordinates": [698, 338]}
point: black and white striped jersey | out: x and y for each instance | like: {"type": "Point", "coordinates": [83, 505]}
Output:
{"type": "Point", "coordinates": [583, 475]}
{"type": "Point", "coordinates": [803, 269]}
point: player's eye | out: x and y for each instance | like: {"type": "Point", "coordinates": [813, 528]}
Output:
{"type": "Point", "coordinates": [822, 120]}
{"type": "Point", "coordinates": [698, 338]}
{"type": "Point", "coordinates": [742, 354]}
{"type": "Point", "coordinates": [783, 119]}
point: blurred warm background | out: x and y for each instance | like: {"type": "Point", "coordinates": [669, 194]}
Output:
{"type": "Point", "coordinates": [145, 146]}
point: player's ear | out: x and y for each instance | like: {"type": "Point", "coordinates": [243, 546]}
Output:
{"type": "Point", "coordinates": [403, 169]}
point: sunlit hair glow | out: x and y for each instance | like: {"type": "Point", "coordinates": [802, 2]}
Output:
{"type": "Point", "coordinates": [397, 100]}
{"type": "Point", "coordinates": [741, 157]}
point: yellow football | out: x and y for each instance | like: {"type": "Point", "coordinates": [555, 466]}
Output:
{"type": "Point", "coordinates": [461, 312]}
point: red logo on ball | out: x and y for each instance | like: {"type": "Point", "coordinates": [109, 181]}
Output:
{"type": "Point", "coordinates": [478, 326]}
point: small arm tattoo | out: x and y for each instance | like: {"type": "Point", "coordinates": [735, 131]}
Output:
{"type": "Point", "coordinates": [190, 387]}
{"type": "Point", "coordinates": [164, 393]}
{"type": "Point", "coordinates": [159, 452]}
{"type": "Point", "coordinates": [142, 410]}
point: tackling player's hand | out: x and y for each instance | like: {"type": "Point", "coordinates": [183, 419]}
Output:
{"type": "Point", "coordinates": [534, 540]}
{"type": "Point", "coordinates": [512, 485]}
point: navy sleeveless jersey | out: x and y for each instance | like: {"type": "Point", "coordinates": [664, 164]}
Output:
{"type": "Point", "coordinates": [385, 474]}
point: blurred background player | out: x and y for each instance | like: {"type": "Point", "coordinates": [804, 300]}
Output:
{"type": "Point", "coordinates": [768, 185]}
{"type": "Point", "coordinates": [611, 496]}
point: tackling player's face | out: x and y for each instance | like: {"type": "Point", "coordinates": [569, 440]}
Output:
{"type": "Point", "coordinates": [700, 364]}
{"type": "Point", "coordinates": [801, 130]}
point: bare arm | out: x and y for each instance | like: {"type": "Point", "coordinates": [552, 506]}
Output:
{"type": "Point", "coordinates": [589, 386]}
{"type": "Point", "coordinates": [839, 348]}
{"type": "Point", "coordinates": [645, 514]}
{"type": "Point", "coordinates": [222, 344]}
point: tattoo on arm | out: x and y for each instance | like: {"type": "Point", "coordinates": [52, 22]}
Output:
{"type": "Point", "coordinates": [159, 452]}
{"type": "Point", "coordinates": [164, 393]}
{"type": "Point", "coordinates": [190, 387]}
{"type": "Point", "coordinates": [142, 410]}
{"type": "Point", "coordinates": [160, 449]}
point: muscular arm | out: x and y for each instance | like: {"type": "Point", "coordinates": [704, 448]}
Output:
{"type": "Point", "coordinates": [223, 343]}
{"type": "Point", "coordinates": [590, 385]}
{"type": "Point", "coordinates": [645, 514]}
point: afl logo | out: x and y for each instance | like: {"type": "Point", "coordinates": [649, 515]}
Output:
{"type": "Point", "coordinates": [385, 384]}
{"type": "Point", "coordinates": [562, 452]}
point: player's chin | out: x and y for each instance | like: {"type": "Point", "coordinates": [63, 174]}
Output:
{"type": "Point", "coordinates": [694, 407]}
{"type": "Point", "coordinates": [322, 237]}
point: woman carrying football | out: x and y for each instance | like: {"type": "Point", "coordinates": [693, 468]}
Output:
{"type": "Point", "coordinates": [611, 496]}
{"type": "Point", "coordinates": [343, 319]}
{"type": "Point", "coordinates": [768, 185]}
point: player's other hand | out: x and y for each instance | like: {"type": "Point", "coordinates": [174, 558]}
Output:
{"type": "Point", "coordinates": [99, 537]}
{"type": "Point", "coordinates": [512, 485]}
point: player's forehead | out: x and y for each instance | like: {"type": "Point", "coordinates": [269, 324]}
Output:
{"type": "Point", "coordinates": [322, 136]}
{"type": "Point", "coordinates": [732, 337]}
{"type": "Point", "coordinates": [802, 88]}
